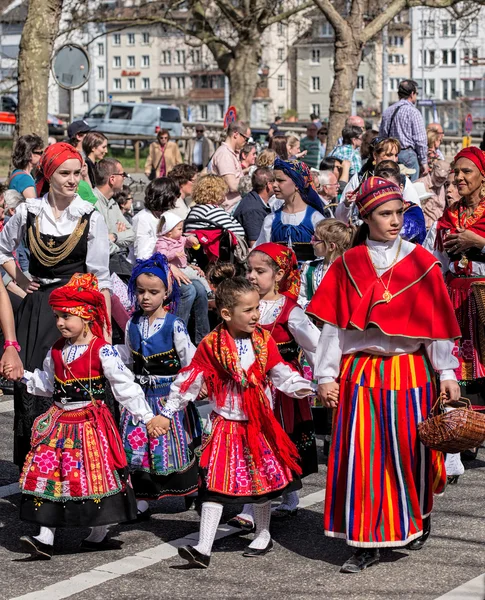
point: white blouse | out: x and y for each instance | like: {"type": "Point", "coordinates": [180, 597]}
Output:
{"type": "Point", "coordinates": [318, 274]}
{"type": "Point", "coordinates": [287, 219]}
{"type": "Point", "coordinates": [145, 225]}
{"type": "Point", "coordinates": [125, 390]}
{"type": "Point", "coordinates": [182, 342]}
{"type": "Point", "coordinates": [335, 342]}
{"type": "Point", "coordinates": [283, 377]}
{"type": "Point", "coordinates": [478, 268]}
{"type": "Point", "coordinates": [97, 257]}
{"type": "Point", "coordinates": [306, 334]}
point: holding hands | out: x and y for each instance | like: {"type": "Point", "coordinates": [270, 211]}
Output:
{"type": "Point", "coordinates": [158, 426]}
{"type": "Point", "coordinates": [11, 366]}
{"type": "Point", "coordinates": [328, 394]}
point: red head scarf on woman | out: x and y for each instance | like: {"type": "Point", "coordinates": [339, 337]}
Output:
{"type": "Point", "coordinates": [52, 159]}
{"type": "Point", "coordinates": [474, 154]}
{"type": "Point", "coordinates": [80, 297]}
{"type": "Point", "coordinates": [374, 192]}
{"type": "Point", "coordinates": [285, 258]}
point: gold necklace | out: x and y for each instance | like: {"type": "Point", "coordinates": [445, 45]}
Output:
{"type": "Point", "coordinates": [46, 254]}
{"type": "Point", "coordinates": [387, 296]}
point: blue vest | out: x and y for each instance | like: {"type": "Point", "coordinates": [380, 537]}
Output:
{"type": "Point", "coordinates": [299, 237]}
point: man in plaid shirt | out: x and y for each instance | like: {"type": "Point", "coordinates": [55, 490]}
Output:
{"type": "Point", "coordinates": [349, 150]}
{"type": "Point", "coordinates": [404, 122]}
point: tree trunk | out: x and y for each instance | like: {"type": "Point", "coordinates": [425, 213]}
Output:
{"type": "Point", "coordinates": [348, 55]}
{"type": "Point", "coordinates": [40, 31]}
{"type": "Point", "coordinates": [242, 71]}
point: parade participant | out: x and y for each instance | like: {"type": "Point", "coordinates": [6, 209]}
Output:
{"type": "Point", "coordinates": [332, 238]}
{"type": "Point", "coordinates": [246, 457]}
{"type": "Point", "coordinates": [65, 235]}
{"type": "Point", "coordinates": [75, 474]}
{"type": "Point", "coordinates": [294, 223]}
{"type": "Point", "coordinates": [158, 346]}
{"type": "Point", "coordinates": [458, 241]}
{"type": "Point", "coordinates": [374, 364]}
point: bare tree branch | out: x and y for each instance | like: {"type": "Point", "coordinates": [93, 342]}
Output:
{"type": "Point", "coordinates": [288, 13]}
{"type": "Point", "coordinates": [333, 16]}
{"type": "Point", "coordinates": [383, 19]}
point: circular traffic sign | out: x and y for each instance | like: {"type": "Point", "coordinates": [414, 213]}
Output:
{"type": "Point", "coordinates": [71, 66]}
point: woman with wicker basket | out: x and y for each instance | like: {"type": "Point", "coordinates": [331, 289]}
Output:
{"type": "Point", "coordinates": [375, 363]}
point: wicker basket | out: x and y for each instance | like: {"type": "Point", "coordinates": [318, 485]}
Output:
{"type": "Point", "coordinates": [453, 431]}
{"type": "Point", "coordinates": [478, 289]}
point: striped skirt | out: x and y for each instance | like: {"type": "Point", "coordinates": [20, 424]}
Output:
{"type": "Point", "coordinates": [381, 479]}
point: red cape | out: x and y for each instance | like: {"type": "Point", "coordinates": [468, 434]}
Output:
{"type": "Point", "coordinates": [350, 297]}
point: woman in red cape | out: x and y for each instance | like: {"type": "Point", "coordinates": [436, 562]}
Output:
{"type": "Point", "coordinates": [458, 241]}
{"type": "Point", "coordinates": [388, 328]}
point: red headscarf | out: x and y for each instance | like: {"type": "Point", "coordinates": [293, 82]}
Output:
{"type": "Point", "coordinates": [52, 159]}
{"type": "Point", "coordinates": [81, 297]}
{"type": "Point", "coordinates": [374, 192]}
{"type": "Point", "coordinates": [285, 258]}
{"type": "Point", "coordinates": [474, 154]}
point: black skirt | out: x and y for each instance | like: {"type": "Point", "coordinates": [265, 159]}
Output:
{"type": "Point", "coordinates": [206, 495]}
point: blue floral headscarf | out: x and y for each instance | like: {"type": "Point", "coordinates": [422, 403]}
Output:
{"type": "Point", "coordinates": [301, 176]}
{"type": "Point", "coordinates": [157, 265]}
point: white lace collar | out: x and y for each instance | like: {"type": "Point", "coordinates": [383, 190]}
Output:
{"type": "Point", "coordinates": [77, 208]}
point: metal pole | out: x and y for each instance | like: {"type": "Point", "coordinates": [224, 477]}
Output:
{"type": "Point", "coordinates": [226, 94]}
{"type": "Point", "coordinates": [71, 106]}
{"type": "Point", "coordinates": [385, 68]}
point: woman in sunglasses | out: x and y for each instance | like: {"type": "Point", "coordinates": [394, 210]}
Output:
{"type": "Point", "coordinates": [25, 158]}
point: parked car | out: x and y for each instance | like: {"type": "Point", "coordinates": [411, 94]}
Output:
{"type": "Point", "coordinates": [129, 118]}
{"type": "Point", "coordinates": [8, 108]}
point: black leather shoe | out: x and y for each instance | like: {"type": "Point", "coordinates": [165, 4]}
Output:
{"type": "Point", "coordinates": [243, 524]}
{"type": "Point", "coordinates": [36, 549]}
{"type": "Point", "coordinates": [360, 560]}
{"type": "Point", "coordinates": [250, 552]}
{"type": "Point", "coordinates": [452, 479]}
{"type": "Point", "coordinates": [196, 559]}
{"type": "Point", "coordinates": [419, 542]}
{"type": "Point", "coordinates": [105, 544]}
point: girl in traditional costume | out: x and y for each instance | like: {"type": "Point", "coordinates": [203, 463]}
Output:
{"type": "Point", "coordinates": [376, 363]}
{"type": "Point", "coordinates": [246, 457]}
{"type": "Point", "coordinates": [75, 474]}
{"type": "Point", "coordinates": [159, 346]}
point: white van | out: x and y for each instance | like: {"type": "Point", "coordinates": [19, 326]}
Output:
{"type": "Point", "coordinates": [131, 118]}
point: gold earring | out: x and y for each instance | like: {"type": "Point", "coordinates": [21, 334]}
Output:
{"type": "Point", "coordinates": [86, 329]}
{"type": "Point", "coordinates": [276, 287]}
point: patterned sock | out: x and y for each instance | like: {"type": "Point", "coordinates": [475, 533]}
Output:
{"type": "Point", "coordinates": [46, 535]}
{"type": "Point", "coordinates": [209, 522]}
{"type": "Point", "coordinates": [262, 517]}
{"type": "Point", "coordinates": [142, 505]}
{"type": "Point", "coordinates": [97, 534]}
{"type": "Point", "coordinates": [247, 513]}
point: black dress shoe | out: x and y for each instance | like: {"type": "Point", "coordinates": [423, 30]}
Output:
{"type": "Point", "coordinates": [360, 560]}
{"type": "Point", "coordinates": [452, 479]}
{"type": "Point", "coordinates": [419, 542]}
{"type": "Point", "coordinates": [250, 552]}
{"type": "Point", "coordinates": [243, 524]}
{"type": "Point", "coordinates": [36, 549]}
{"type": "Point", "coordinates": [106, 544]}
{"type": "Point", "coordinates": [196, 559]}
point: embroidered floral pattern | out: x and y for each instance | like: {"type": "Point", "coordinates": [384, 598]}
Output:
{"type": "Point", "coordinates": [46, 461]}
{"type": "Point", "coordinates": [137, 438]}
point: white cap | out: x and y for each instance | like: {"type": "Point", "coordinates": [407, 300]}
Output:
{"type": "Point", "coordinates": [422, 191]}
{"type": "Point", "coordinates": [171, 221]}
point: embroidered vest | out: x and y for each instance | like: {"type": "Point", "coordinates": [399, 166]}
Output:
{"type": "Point", "coordinates": [280, 332]}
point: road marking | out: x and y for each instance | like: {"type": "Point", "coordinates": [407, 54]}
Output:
{"type": "Point", "coordinates": [9, 490]}
{"type": "Point", "coordinates": [140, 560]}
{"type": "Point", "coordinates": [471, 590]}
{"type": "Point", "coordinates": [6, 406]}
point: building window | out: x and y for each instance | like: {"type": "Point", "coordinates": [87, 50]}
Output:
{"type": "Point", "coordinates": [100, 72]}
{"type": "Point", "coordinates": [166, 57]}
{"type": "Point", "coordinates": [281, 110]}
{"type": "Point", "coordinates": [145, 83]}
{"type": "Point", "coordinates": [315, 59]}
{"type": "Point", "coordinates": [396, 40]}
{"type": "Point", "coordinates": [427, 58]}
{"type": "Point", "coordinates": [360, 82]}
{"type": "Point", "coordinates": [448, 57]}
{"type": "Point", "coordinates": [131, 39]}
{"type": "Point", "coordinates": [470, 85]}
{"type": "Point", "coordinates": [316, 109]}
{"type": "Point", "coordinates": [195, 57]}
{"type": "Point", "coordinates": [166, 83]}
{"type": "Point", "coordinates": [426, 29]}
{"type": "Point", "coordinates": [85, 96]}
{"type": "Point", "coordinates": [315, 84]}
{"type": "Point", "coordinates": [131, 83]}
{"type": "Point", "coordinates": [281, 82]}
{"type": "Point", "coordinates": [470, 56]}
{"type": "Point", "coordinates": [281, 54]}
{"type": "Point", "coordinates": [116, 39]}
{"type": "Point", "coordinates": [180, 57]}
{"type": "Point", "coordinates": [448, 88]}
{"type": "Point", "coordinates": [117, 62]}
{"type": "Point", "coordinates": [181, 83]}
{"type": "Point", "coordinates": [469, 27]}
{"type": "Point", "coordinates": [203, 112]}
{"type": "Point", "coordinates": [130, 61]}
{"type": "Point", "coordinates": [117, 83]}
{"type": "Point", "coordinates": [145, 37]}
{"type": "Point", "coordinates": [397, 59]}
{"type": "Point", "coordinates": [221, 111]}
{"type": "Point", "coordinates": [100, 49]}
{"type": "Point", "coordinates": [448, 28]}
{"type": "Point", "coordinates": [100, 95]}
{"type": "Point", "coordinates": [280, 29]}
{"type": "Point", "coordinates": [325, 30]}
{"type": "Point", "coordinates": [393, 84]}
{"type": "Point", "coordinates": [145, 60]}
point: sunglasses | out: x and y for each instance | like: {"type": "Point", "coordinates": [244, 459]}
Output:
{"type": "Point", "coordinates": [38, 152]}
{"type": "Point", "coordinates": [120, 174]}
{"type": "Point", "coordinates": [246, 137]}
{"type": "Point", "coordinates": [199, 131]}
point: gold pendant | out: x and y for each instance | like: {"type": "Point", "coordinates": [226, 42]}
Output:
{"type": "Point", "coordinates": [387, 296]}
{"type": "Point", "coordinates": [51, 243]}
{"type": "Point", "coordinates": [463, 264]}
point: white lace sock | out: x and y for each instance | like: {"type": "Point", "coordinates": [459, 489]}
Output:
{"type": "Point", "coordinates": [247, 513]}
{"type": "Point", "coordinates": [290, 501]}
{"type": "Point", "coordinates": [97, 534]}
{"type": "Point", "coordinates": [142, 505]}
{"type": "Point", "coordinates": [262, 517]}
{"type": "Point", "coordinates": [209, 522]}
{"type": "Point", "coordinates": [453, 465]}
{"type": "Point", "coordinates": [46, 535]}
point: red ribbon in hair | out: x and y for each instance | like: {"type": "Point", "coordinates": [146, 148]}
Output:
{"type": "Point", "coordinates": [285, 258]}
{"type": "Point", "coordinates": [52, 159]}
{"type": "Point", "coordinates": [81, 297]}
{"type": "Point", "coordinates": [474, 154]}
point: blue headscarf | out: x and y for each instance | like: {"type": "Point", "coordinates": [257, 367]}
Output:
{"type": "Point", "coordinates": [158, 266]}
{"type": "Point", "coordinates": [301, 176]}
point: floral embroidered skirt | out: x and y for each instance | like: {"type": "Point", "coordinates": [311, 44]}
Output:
{"type": "Point", "coordinates": [75, 473]}
{"type": "Point", "coordinates": [164, 466]}
{"type": "Point", "coordinates": [229, 472]}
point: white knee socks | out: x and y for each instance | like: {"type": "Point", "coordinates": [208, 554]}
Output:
{"type": "Point", "coordinates": [97, 534]}
{"type": "Point", "coordinates": [209, 522]}
{"type": "Point", "coordinates": [46, 535]}
{"type": "Point", "coordinates": [247, 513]}
{"type": "Point", "coordinates": [262, 517]}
